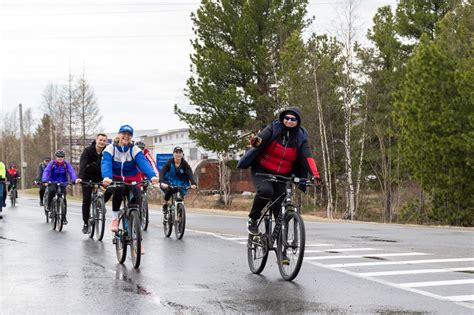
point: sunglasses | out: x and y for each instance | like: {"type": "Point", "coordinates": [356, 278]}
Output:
{"type": "Point", "coordinates": [290, 118]}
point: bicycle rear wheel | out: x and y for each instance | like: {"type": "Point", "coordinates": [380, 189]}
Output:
{"type": "Point", "coordinates": [290, 245]}
{"type": "Point", "coordinates": [168, 222]}
{"type": "Point", "coordinates": [100, 219]}
{"type": "Point", "coordinates": [136, 239]}
{"type": "Point", "coordinates": [61, 212]}
{"type": "Point", "coordinates": [92, 216]}
{"type": "Point", "coordinates": [121, 242]}
{"type": "Point", "coordinates": [180, 221]}
{"type": "Point", "coordinates": [144, 213]}
{"type": "Point", "coordinates": [257, 249]}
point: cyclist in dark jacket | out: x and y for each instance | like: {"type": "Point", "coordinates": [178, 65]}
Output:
{"type": "Point", "coordinates": [13, 175]}
{"type": "Point", "coordinates": [89, 170]}
{"type": "Point", "coordinates": [39, 176]}
{"type": "Point", "coordinates": [281, 148]}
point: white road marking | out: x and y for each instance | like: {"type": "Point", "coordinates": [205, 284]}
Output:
{"type": "Point", "coordinates": [435, 283]}
{"type": "Point", "coordinates": [354, 249]}
{"type": "Point", "coordinates": [318, 245]}
{"type": "Point", "coordinates": [406, 262]}
{"type": "Point", "coordinates": [364, 256]}
{"type": "Point", "coordinates": [412, 272]}
{"type": "Point", "coordinates": [461, 298]}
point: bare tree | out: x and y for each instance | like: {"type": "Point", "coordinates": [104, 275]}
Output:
{"type": "Point", "coordinates": [55, 108]}
{"type": "Point", "coordinates": [88, 110]}
{"type": "Point", "coordinates": [347, 35]}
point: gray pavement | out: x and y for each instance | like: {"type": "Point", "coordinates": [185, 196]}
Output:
{"type": "Point", "coordinates": [349, 268]}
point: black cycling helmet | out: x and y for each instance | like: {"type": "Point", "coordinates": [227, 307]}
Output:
{"type": "Point", "coordinates": [60, 153]}
{"type": "Point", "coordinates": [140, 144]}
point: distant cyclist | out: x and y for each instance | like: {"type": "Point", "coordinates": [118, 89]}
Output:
{"type": "Point", "coordinates": [2, 185]}
{"type": "Point", "coordinates": [12, 175]}
{"type": "Point", "coordinates": [57, 171]}
{"type": "Point", "coordinates": [89, 170]}
{"type": "Point", "coordinates": [176, 172]}
{"type": "Point", "coordinates": [147, 155]}
{"type": "Point", "coordinates": [39, 176]}
{"type": "Point", "coordinates": [122, 161]}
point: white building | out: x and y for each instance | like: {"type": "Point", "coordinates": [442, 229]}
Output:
{"type": "Point", "coordinates": [164, 142]}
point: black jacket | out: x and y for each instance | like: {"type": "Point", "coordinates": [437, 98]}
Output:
{"type": "Point", "coordinates": [89, 167]}
{"type": "Point", "coordinates": [183, 173]}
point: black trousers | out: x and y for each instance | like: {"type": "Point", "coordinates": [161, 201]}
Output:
{"type": "Point", "coordinates": [87, 199]}
{"type": "Point", "coordinates": [266, 192]}
{"type": "Point", "coordinates": [52, 189]}
{"type": "Point", "coordinates": [169, 192]}
{"type": "Point", "coordinates": [119, 192]}
{"type": "Point", "coordinates": [42, 189]}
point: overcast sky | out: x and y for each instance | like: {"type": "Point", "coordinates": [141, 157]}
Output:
{"type": "Point", "coordinates": [135, 52]}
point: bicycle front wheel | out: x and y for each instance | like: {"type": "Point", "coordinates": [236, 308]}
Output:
{"type": "Point", "coordinates": [92, 215]}
{"type": "Point", "coordinates": [180, 221]}
{"type": "Point", "coordinates": [12, 198]}
{"type": "Point", "coordinates": [61, 212]}
{"type": "Point", "coordinates": [290, 245]}
{"type": "Point", "coordinates": [99, 219]}
{"type": "Point", "coordinates": [144, 213]}
{"type": "Point", "coordinates": [52, 213]}
{"type": "Point", "coordinates": [121, 242]}
{"type": "Point", "coordinates": [257, 250]}
{"type": "Point", "coordinates": [136, 239]}
{"type": "Point", "coordinates": [167, 223]}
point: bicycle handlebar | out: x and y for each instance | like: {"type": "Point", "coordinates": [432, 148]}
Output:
{"type": "Point", "coordinates": [281, 178]}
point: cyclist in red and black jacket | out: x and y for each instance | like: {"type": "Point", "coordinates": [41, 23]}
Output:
{"type": "Point", "coordinates": [281, 148]}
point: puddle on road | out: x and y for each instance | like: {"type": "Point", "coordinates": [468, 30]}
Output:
{"type": "Point", "coordinates": [10, 239]}
{"type": "Point", "coordinates": [375, 239]}
{"type": "Point", "coordinates": [466, 271]}
{"type": "Point", "coordinates": [374, 257]}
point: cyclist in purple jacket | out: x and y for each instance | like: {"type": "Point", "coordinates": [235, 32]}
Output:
{"type": "Point", "coordinates": [57, 171]}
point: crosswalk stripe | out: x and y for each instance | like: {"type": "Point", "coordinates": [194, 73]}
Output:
{"type": "Point", "coordinates": [381, 263]}
{"type": "Point", "coordinates": [364, 256]}
{"type": "Point", "coordinates": [318, 245]}
{"type": "Point", "coordinates": [435, 283]}
{"type": "Point", "coordinates": [354, 249]}
{"type": "Point", "coordinates": [412, 272]}
{"type": "Point", "coordinates": [461, 298]}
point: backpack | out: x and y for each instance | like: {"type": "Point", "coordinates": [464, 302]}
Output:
{"type": "Point", "coordinates": [64, 165]}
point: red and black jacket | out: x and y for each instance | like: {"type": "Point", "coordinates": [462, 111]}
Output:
{"type": "Point", "coordinates": [283, 151]}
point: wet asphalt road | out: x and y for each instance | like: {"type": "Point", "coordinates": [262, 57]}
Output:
{"type": "Point", "coordinates": [50, 272]}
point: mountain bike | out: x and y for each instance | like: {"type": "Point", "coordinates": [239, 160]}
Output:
{"type": "Point", "coordinates": [58, 206]}
{"type": "Point", "coordinates": [129, 231]}
{"type": "Point", "coordinates": [176, 214]}
{"type": "Point", "coordinates": [144, 214]}
{"type": "Point", "coordinates": [288, 231]}
{"type": "Point", "coordinates": [96, 212]}
{"type": "Point", "coordinates": [13, 194]}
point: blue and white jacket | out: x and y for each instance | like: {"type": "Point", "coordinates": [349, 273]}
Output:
{"type": "Point", "coordinates": [125, 163]}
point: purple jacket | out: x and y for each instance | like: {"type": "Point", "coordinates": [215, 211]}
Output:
{"type": "Point", "coordinates": [58, 173]}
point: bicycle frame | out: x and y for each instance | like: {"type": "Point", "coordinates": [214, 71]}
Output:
{"type": "Point", "coordinates": [286, 204]}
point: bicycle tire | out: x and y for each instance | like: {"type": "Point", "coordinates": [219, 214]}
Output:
{"type": "Point", "coordinates": [12, 198]}
{"type": "Point", "coordinates": [100, 219]}
{"type": "Point", "coordinates": [144, 217]}
{"type": "Point", "coordinates": [92, 219]}
{"type": "Point", "coordinates": [257, 250]}
{"type": "Point", "coordinates": [180, 221]}
{"type": "Point", "coordinates": [121, 243]}
{"type": "Point", "coordinates": [168, 223]}
{"type": "Point", "coordinates": [54, 217]}
{"type": "Point", "coordinates": [292, 235]}
{"type": "Point", "coordinates": [60, 214]}
{"type": "Point", "coordinates": [135, 239]}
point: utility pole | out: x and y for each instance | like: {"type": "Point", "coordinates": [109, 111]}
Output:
{"type": "Point", "coordinates": [22, 150]}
